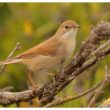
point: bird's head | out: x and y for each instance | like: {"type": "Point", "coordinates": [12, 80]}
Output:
{"type": "Point", "coordinates": [68, 29]}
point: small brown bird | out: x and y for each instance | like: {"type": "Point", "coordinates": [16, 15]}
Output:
{"type": "Point", "coordinates": [50, 54]}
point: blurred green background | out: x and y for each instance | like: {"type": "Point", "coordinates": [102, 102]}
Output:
{"type": "Point", "coordinates": [32, 23]}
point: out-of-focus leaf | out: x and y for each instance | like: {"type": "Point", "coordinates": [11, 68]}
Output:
{"type": "Point", "coordinates": [28, 28]}
{"type": "Point", "coordinates": [5, 14]}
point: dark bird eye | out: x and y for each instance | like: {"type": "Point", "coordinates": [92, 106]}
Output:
{"type": "Point", "coordinates": [66, 27]}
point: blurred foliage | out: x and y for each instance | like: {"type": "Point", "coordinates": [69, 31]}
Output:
{"type": "Point", "coordinates": [32, 23]}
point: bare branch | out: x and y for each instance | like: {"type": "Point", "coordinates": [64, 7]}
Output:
{"type": "Point", "coordinates": [17, 47]}
{"type": "Point", "coordinates": [70, 98]}
{"type": "Point", "coordinates": [6, 89]}
{"type": "Point", "coordinates": [7, 98]}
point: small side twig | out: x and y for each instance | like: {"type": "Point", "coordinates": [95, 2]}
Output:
{"type": "Point", "coordinates": [17, 47]}
{"type": "Point", "coordinates": [8, 88]}
{"type": "Point", "coordinates": [105, 82]}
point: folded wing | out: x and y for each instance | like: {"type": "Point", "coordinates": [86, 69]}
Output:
{"type": "Point", "coordinates": [49, 47]}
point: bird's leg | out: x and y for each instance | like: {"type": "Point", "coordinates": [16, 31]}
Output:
{"type": "Point", "coordinates": [31, 80]}
{"type": "Point", "coordinates": [62, 69]}
{"type": "Point", "coordinates": [34, 86]}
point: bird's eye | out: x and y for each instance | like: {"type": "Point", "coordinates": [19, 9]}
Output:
{"type": "Point", "coordinates": [66, 27]}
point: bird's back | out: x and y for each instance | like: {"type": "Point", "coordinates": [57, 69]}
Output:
{"type": "Point", "coordinates": [49, 47]}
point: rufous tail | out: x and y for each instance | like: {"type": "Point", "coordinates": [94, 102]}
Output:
{"type": "Point", "coordinates": [10, 61]}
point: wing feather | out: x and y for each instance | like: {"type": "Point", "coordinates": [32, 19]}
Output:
{"type": "Point", "coordinates": [48, 47]}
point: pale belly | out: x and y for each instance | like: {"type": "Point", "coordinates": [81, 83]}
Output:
{"type": "Point", "coordinates": [47, 63]}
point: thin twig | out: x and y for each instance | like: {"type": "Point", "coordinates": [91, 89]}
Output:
{"type": "Point", "coordinates": [97, 93]}
{"type": "Point", "coordinates": [6, 89]}
{"type": "Point", "coordinates": [17, 47]}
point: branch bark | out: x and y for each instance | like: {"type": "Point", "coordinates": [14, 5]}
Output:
{"type": "Point", "coordinates": [81, 62]}
{"type": "Point", "coordinates": [70, 98]}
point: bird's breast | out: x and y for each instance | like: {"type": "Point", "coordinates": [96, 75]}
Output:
{"type": "Point", "coordinates": [42, 62]}
{"type": "Point", "coordinates": [70, 46]}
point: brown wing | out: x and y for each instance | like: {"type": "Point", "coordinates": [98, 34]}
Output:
{"type": "Point", "coordinates": [46, 48]}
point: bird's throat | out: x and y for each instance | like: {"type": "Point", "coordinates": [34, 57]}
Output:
{"type": "Point", "coordinates": [70, 34]}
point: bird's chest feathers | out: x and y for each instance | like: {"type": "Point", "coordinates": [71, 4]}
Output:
{"type": "Point", "coordinates": [69, 39]}
{"type": "Point", "coordinates": [70, 46]}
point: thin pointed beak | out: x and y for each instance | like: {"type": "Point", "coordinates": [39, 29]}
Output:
{"type": "Point", "coordinates": [77, 26]}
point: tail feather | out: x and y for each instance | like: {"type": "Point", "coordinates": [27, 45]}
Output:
{"type": "Point", "coordinates": [10, 61]}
